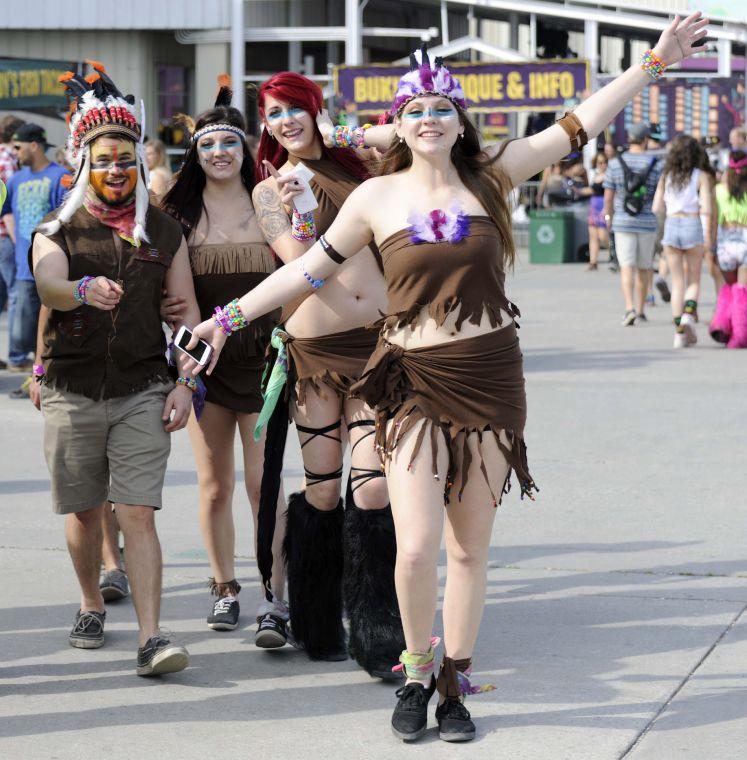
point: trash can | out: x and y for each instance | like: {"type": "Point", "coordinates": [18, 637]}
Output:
{"type": "Point", "coordinates": [551, 236]}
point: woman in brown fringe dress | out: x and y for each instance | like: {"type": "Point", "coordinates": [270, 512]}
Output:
{"type": "Point", "coordinates": [334, 558]}
{"type": "Point", "coordinates": [446, 377]}
{"type": "Point", "coordinates": [229, 256]}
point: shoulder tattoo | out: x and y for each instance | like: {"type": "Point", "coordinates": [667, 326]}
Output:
{"type": "Point", "coordinates": [272, 218]}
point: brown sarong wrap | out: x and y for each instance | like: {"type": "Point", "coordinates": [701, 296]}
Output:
{"type": "Point", "coordinates": [471, 385]}
{"type": "Point", "coordinates": [336, 360]}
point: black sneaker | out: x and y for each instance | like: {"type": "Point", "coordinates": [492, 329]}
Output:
{"type": "Point", "coordinates": [454, 721]}
{"type": "Point", "coordinates": [160, 656]}
{"type": "Point", "coordinates": [663, 288]}
{"type": "Point", "coordinates": [271, 632]}
{"type": "Point", "coordinates": [114, 585]}
{"type": "Point", "coordinates": [88, 631]}
{"type": "Point", "coordinates": [641, 318]}
{"type": "Point", "coordinates": [410, 717]}
{"type": "Point", "coordinates": [225, 614]}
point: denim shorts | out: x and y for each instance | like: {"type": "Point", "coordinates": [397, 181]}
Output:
{"type": "Point", "coordinates": [732, 248]}
{"type": "Point", "coordinates": [683, 232]}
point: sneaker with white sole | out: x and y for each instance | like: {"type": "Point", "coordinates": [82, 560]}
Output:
{"type": "Point", "coordinates": [272, 632]}
{"type": "Point", "coordinates": [159, 656]}
{"type": "Point", "coordinates": [225, 614]}
{"type": "Point", "coordinates": [629, 319]}
{"type": "Point", "coordinates": [680, 341]}
{"type": "Point", "coordinates": [88, 630]}
{"type": "Point", "coordinates": [114, 585]}
{"type": "Point", "coordinates": [687, 323]}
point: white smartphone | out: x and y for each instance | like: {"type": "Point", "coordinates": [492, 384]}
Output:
{"type": "Point", "coordinates": [306, 201]}
{"type": "Point", "coordinates": [201, 353]}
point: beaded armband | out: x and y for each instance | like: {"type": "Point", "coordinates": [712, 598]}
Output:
{"type": "Point", "coordinates": [303, 227]}
{"type": "Point", "coordinates": [79, 291]}
{"type": "Point", "coordinates": [230, 318]}
{"type": "Point", "coordinates": [347, 137]}
{"type": "Point", "coordinates": [652, 65]}
{"type": "Point", "coordinates": [187, 382]}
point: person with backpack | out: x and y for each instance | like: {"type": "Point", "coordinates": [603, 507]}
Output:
{"type": "Point", "coordinates": [629, 188]}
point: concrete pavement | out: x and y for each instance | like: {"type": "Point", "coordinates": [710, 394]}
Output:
{"type": "Point", "coordinates": [615, 624]}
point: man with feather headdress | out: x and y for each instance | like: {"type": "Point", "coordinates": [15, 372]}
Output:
{"type": "Point", "coordinates": [100, 262]}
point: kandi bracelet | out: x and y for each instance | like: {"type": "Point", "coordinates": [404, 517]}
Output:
{"type": "Point", "coordinates": [187, 382]}
{"type": "Point", "coordinates": [652, 65]}
{"type": "Point", "coordinates": [79, 291]}
{"type": "Point", "coordinates": [303, 227]}
{"type": "Point", "coordinates": [230, 318]}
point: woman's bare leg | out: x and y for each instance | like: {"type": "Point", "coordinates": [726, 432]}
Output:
{"type": "Point", "coordinates": [418, 507]}
{"type": "Point", "coordinates": [370, 492]}
{"type": "Point", "coordinates": [212, 442]}
{"type": "Point", "coordinates": [693, 264]}
{"type": "Point", "coordinates": [593, 246]}
{"type": "Point", "coordinates": [674, 258]}
{"type": "Point", "coordinates": [469, 524]}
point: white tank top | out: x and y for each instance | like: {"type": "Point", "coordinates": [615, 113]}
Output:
{"type": "Point", "coordinates": [684, 200]}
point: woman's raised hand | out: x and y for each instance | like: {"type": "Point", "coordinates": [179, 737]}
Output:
{"type": "Point", "coordinates": [215, 337]}
{"type": "Point", "coordinates": [326, 127]}
{"type": "Point", "coordinates": [288, 185]}
{"type": "Point", "coordinates": [682, 39]}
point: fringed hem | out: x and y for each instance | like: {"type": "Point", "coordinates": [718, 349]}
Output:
{"type": "Point", "coordinates": [97, 390]}
{"type": "Point", "coordinates": [340, 384]}
{"type": "Point", "coordinates": [239, 258]}
{"type": "Point", "coordinates": [441, 310]}
{"type": "Point", "coordinates": [407, 417]}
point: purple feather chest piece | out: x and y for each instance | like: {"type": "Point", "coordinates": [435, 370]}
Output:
{"type": "Point", "coordinates": [439, 226]}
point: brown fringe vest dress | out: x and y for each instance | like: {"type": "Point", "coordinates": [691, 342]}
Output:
{"type": "Point", "coordinates": [470, 385]}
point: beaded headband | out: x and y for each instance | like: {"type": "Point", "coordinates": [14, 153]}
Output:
{"type": "Point", "coordinates": [218, 128]}
{"type": "Point", "coordinates": [424, 79]}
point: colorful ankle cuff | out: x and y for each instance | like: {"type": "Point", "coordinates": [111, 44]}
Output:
{"type": "Point", "coordinates": [417, 665]}
{"type": "Point", "coordinates": [453, 679]}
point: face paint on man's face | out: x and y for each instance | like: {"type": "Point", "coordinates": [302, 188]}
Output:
{"type": "Point", "coordinates": [113, 174]}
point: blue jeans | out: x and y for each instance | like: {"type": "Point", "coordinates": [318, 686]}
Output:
{"type": "Point", "coordinates": [24, 309]}
{"type": "Point", "coordinates": [7, 270]}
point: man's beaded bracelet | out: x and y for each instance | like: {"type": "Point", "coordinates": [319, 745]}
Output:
{"type": "Point", "coordinates": [187, 382]}
{"type": "Point", "coordinates": [349, 137]}
{"type": "Point", "coordinates": [652, 65]}
{"type": "Point", "coordinates": [303, 227]}
{"type": "Point", "coordinates": [79, 291]}
{"type": "Point", "coordinates": [230, 318]}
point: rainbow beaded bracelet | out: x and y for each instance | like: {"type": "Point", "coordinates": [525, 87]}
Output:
{"type": "Point", "coordinates": [652, 65]}
{"type": "Point", "coordinates": [79, 291]}
{"type": "Point", "coordinates": [230, 318]}
{"type": "Point", "coordinates": [348, 137]}
{"type": "Point", "coordinates": [187, 382]}
{"type": "Point", "coordinates": [303, 227]}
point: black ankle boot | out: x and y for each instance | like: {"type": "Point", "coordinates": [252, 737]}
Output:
{"type": "Point", "coordinates": [313, 554]}
{"type": "Point", "coordinates": [370, 548]}
{"type": "Point", "coordinates": [454, 721]}
{"type": "Point", "coordinates": [410, 716]}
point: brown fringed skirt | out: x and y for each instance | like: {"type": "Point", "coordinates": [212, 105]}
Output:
{"type": "Point", "coordinates": [475, 385]}
{"type": "Point", "coordinates": [335, 360]}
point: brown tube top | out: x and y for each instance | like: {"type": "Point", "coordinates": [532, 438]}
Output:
{"type": "Point", "coordinates": [222, 272]}
{"type": "Point", "coordinates": [465, 277]}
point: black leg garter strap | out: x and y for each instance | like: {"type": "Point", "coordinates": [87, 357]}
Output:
{"type": "Point", "coordinates": [366, 475]}
{"type": "Point", "coordinates": [313, 478]}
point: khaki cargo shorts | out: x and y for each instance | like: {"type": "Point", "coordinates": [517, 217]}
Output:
{"type": "Point", "coordinates": [114, 450]}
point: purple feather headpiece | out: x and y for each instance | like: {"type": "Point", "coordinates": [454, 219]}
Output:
{"type": "Point", "coordinates": [425, 79]}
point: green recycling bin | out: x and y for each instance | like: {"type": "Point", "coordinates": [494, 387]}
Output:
{"type": "Point", "coordinates": [551, 236]}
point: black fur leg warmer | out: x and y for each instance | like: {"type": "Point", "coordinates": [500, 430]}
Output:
{"type": "Point", "coordinates": [313, 554]}
{"type": "Point", "coordinates": [376, 637]}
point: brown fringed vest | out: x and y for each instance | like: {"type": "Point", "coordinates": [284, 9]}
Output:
{"type": "Point", "coordinates": [107, 354]}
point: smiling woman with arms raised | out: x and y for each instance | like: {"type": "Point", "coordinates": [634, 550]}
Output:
{"type": "Point", "coordinates": [446, 378]}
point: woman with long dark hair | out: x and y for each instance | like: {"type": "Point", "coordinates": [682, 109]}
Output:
{"type": "Point", "coordinates": [684, 195]}
{"type": "Point", "coordinates": [334, 558]}
{"type": "Point", "coordinates": [211, 198]}
{"type": "Point", "coordinates": [729, 324]}
{"type": "Point", "coordinates": [446, 377]}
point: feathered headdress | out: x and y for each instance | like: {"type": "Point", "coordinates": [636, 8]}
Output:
{"type": "Point", "coordinates": [424, 79]}
{"type": "Point", "coordinates": [97, 108]}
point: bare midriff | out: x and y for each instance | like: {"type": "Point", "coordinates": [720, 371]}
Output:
{"type": "Point", "coordinates": [426, 331]}
{"type": "Point", "coordinates": [353, 297]}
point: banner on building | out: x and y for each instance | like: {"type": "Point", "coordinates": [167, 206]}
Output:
{"type": "Point", "coordinates": [32, 85]}
{"type": "Point", "coordinates": [707, 108]}
{"type": "Point", "coordinates": [537, 86]}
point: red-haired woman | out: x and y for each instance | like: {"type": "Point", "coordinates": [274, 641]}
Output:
{"type": "Point", "coordinates": [327, 346]}
{"type": "Point", "coordinates": [446, 377]}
